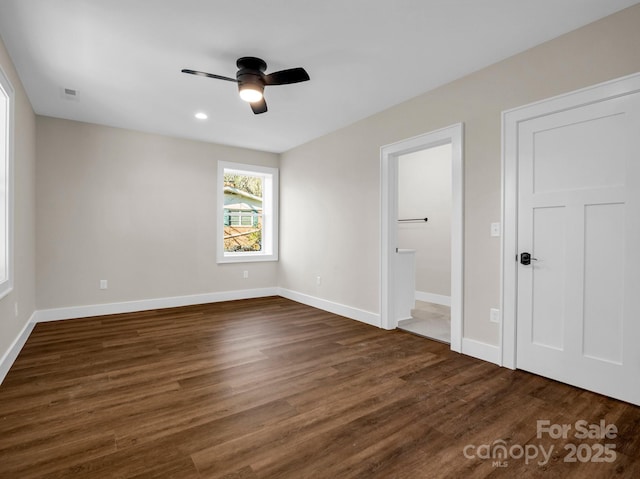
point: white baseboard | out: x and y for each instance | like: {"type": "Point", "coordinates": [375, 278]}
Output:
{"type": "Point", "coordinates": [480, 350]}
{"type": "Point", "coordinates": [7, 360]}
{"type": "Point", "coordinates": [347, 311]}
{"type": "Point", "coordinates": [433, 298]}
{"type": "Point", "coordinates": [73, 312]}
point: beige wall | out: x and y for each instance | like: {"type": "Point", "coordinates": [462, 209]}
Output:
{"type": "Point", "coordinates": [24, 290]}
{"type": "Point", "coordinates": [136, 209]}
{"type": "Point", "coordinates": [321, 232]}
{"type": "Point", "coordinates": [424, 190]}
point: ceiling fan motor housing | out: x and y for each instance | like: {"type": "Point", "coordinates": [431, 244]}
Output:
{"type": "Point", "coordinates": [250, 72]}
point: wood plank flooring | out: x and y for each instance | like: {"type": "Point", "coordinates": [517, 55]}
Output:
{"type": "Point", "coordinates": [269, 388]}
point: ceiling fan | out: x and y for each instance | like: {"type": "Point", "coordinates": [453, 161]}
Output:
{"type": "Point", "coordinates": [251, 80]}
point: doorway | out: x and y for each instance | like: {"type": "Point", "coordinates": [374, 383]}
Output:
{"type": "Point", "coordinates": [390, 255]}
{"type": "Point", "coordinates": [572, 209]}
{"type": "Point", "coordinates": [424, 227]}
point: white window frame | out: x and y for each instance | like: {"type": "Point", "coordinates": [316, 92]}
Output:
{"type": "Point", "coordinates": [6, 177]}
{"type": "Point", "coordinates": [269, 213]}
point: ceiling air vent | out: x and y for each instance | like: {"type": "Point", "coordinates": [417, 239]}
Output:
{"type": "Point", "coordinates": [69, 94]}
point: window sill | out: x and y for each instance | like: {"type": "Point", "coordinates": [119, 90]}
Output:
{"type": "Point", "coordinates": [246, 258]}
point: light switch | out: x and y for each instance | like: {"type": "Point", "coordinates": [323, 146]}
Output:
{"type": "Point", "coordinates": [495, 229]}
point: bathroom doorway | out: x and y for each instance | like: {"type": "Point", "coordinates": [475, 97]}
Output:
{"type": "Point", "coordinates": [424, 227]}
{"type": "Point", "coordinates": [391, 249]}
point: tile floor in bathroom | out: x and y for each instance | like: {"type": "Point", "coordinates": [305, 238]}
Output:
{"type": "Point", "coordinates": [430, 320]}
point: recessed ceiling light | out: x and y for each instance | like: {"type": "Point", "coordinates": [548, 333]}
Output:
{"type": "Point", "coordinates": [201, 116]}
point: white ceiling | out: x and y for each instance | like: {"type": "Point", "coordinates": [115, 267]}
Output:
{"type": "Point", "coordinates": [124, 57]}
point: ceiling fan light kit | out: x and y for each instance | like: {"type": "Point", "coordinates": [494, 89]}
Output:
{"type": "Point", "coordinates": [251, 80]}
{"type": "Point", "coordinates": [251, 93]}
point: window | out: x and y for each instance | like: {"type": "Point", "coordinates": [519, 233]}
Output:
{"type": "Point", "coordinates": [6, 171]}
{"type": "Point", "coordinates": [248, 208]}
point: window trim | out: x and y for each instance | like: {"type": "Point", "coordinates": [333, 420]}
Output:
{"type": "Point", "coordinates": [6, 286]}
{"type": "Point", "coordinates": [270, 228]}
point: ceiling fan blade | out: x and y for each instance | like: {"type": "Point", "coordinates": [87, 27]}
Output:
{"type": "Point", "coordinates": [209, 75]}
{"type": "Point", "coordinates": [285, 77]}
{"type": "Point", "coordinates": [259, 106]}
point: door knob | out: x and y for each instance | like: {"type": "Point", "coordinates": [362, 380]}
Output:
{"type": "Point", "coordinates": [526, 258]}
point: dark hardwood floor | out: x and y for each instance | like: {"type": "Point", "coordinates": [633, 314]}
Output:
{"type": "Point", "coordinates": [269, 388]}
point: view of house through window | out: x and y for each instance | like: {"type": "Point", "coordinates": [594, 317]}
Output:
{"type": "Point", "coordinates": [248, 206]}
{"type": "Point", "coordinates": [242, 212]}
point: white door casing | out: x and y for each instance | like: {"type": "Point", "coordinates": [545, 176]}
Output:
{"type": "Point", "coordinates": [572, 199]}
{"type": "Point", "coordinates": [389, 198]}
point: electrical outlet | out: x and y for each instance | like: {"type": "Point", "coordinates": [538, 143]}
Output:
{"type": "Point", "coordinates": [245, 274]}
{"type": "Point", "coordinates": [494, 315]}
{"type": "Point", "coordinates": [103, 284]}
{"type": "Point", "coordinates": [318, 280]}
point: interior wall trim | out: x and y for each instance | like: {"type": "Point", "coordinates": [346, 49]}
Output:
{"type": "Point", "coordinates": [343, 310]}
{"type": "Point", "coordinates": [479, 350]}
{"type": "Point", "coordinates": [9, 357]}
{"type": "Point", "coordinates": [433, 298]}
{"type": "Point", "coordinates": [74, 312]}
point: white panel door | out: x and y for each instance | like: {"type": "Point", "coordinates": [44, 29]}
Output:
{"type": "Point", "coordinates": [578, 314]}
